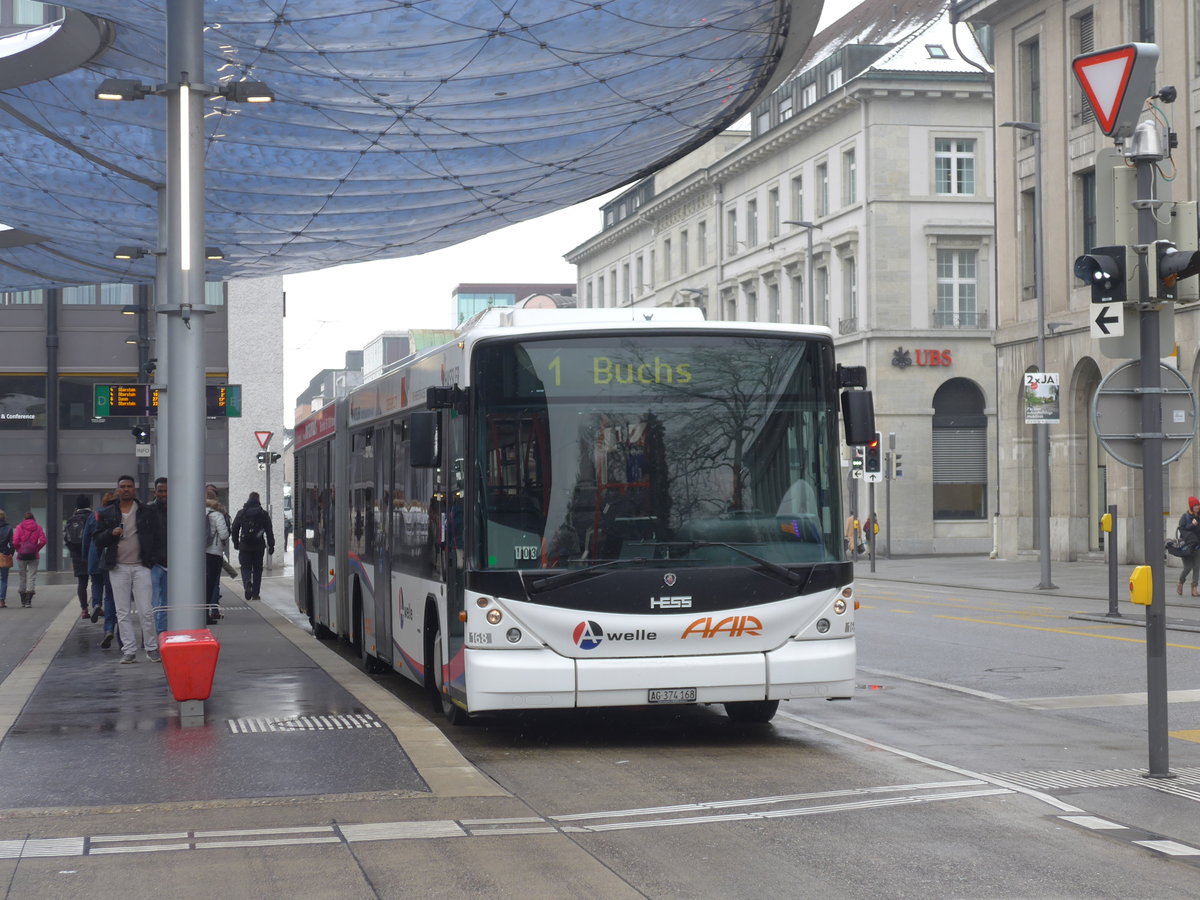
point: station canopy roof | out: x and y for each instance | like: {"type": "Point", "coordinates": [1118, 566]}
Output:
{"type": "Point", "coordinates": [398, 128]}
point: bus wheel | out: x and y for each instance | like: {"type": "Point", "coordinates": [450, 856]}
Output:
{"type": "Point", "coordinates": [752, 711]}
{"type": "Point", "coordinates": [454, 714]}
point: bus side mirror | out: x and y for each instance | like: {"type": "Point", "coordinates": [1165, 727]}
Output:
{"type": "Point", "coordinates": [423, 440]}
{"type": "Point", "coordinates": [858, 417]}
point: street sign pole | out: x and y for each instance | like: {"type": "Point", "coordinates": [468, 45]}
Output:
{"type": "Point", "coordinates": [1146, 154]}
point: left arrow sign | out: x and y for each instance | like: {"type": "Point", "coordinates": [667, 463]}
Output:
{"type": "Point", "coordinates": [1109, 322]}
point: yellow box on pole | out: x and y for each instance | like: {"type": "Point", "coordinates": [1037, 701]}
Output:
{"type": "Point", "coordinates": [1106, 522]}
{"type": "Point", "coordinates": [1141, 585]}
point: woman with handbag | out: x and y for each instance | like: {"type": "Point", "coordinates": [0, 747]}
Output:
{"type": "Point", "coordinates": [6, 557]}
{"type": "Point", "coordinates": [29, 539]}
{"type": "Point", "coordinates": [1189, 533]}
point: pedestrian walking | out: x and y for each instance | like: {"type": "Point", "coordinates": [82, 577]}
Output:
{"type": "Point", "coordinates": [128, 535]}
{"type": "Point", "coordinates": [102, 595]}
{"type": "Point", "coordinates": [72, 535]}
{"type": "Point", "coordinates": [6, 557]}
{"type": "Point", "coordinates": [252, 536]}
{"type": "Point", "coordinates": [214, 555]}
{"type": "Point", "coordinates": [29, 539]}
{"type": "Point", "coordinates": [1189, 533]}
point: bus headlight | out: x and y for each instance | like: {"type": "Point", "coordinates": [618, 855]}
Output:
{"type": "Point", "coordinates": [513, 635]}
{"type": "Point", "coordinates": [839, 606]}
{"type": "Point", "coordinates": [494, 616]}
{"type": "Point", "coordinates": [823, 626]}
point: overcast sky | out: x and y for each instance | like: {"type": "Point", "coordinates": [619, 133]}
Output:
{"type": "Point", "coordinates": [343, 308]}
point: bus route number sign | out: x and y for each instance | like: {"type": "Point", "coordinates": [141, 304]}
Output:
{"type": "Point", "coordinates": [222, 401]}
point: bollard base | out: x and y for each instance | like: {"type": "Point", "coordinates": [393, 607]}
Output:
{"type": "Point", "coordinates": [191, 713]}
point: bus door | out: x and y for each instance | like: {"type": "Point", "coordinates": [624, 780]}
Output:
{"type": "Point", "coordinates": [384, 491]}
{"type": "Point", "coordinates": [457, 480]}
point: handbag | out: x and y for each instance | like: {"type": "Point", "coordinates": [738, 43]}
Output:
{"type": "Point", "coordinates": [5, 560]}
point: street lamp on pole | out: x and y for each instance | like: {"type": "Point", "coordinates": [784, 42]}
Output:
{"type": "Point", "coordinates": [808, 266]}
{"type": "Point", "coordinates": [1041, 429]}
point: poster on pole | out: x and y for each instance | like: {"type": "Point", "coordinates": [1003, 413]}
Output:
{"type": "Point", "coordinates": [1041, 398]}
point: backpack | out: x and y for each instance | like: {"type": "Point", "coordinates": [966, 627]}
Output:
{"type": "Point", "coordinates": [73, 530]}
{"type": "Point", "coordinates": [253, 530]}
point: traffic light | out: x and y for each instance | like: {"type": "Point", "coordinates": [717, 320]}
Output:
{"type": "Point", "coordinates": [140, 434]}
{"type": "Point", "coordinates": [1105, 270]}
{"type": "Point", "coordinates": [1171, 264]}
{"type": "Point", "coordinates": [856, 462]}
{"type": "Point", "coordinates": [896, 472]}
{"type": "Point", "coordinates": [871, 460]}
{"type": "Point", "coordinates": [265, 456]}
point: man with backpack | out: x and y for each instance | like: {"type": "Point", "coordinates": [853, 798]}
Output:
{"type": "Point", "coordinates": [73, 540]}
{"type": "Point", "coordinates": [252, 536]}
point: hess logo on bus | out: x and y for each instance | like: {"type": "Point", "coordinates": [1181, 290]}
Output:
{"type": "Point", "coordinates": [730, 626]}
{"type": "Point", "coordinates": [671, 602]}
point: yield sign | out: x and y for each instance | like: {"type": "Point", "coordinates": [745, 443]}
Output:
{"type": "Point", "coordinates": [264, 438]}
{"type": "Point", "coordinates": [1117, 81]}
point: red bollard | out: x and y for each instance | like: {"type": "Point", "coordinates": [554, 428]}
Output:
{"type": "Point", "coordinates": [190, 660]}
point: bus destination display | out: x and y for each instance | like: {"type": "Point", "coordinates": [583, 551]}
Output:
{"type": "Point", "coordinates": [221, 400]}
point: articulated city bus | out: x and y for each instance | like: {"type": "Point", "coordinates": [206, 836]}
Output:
{"type": "Point", "coordinates": [583, 508]}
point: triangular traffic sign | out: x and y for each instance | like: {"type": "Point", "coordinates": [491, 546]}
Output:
{"type": "Point", "coordinates": [264, 438]}
{"type": "Point", "coordinates": [1116, 82]}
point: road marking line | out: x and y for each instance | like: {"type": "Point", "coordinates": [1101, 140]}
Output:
{"type": "Point", "coordinates": [279, 842]}
{"type": "Point", "coordinates": [938, 684]}
{"type": "Point", "coordinates": [1093, 822]}
{"type": "Point", "coordinates": [250, 832]}
{"type": "Point", "coordinates": [1186, 735]}
{"type": "Point", "coordinates": [1171, 848]}
{"type": "Point", "coordinates": [162, 836]}
{"type": "Point", "coordinates": [947, 767]}
{"type": "Point", "coordinates": [390, 831]}
{"type": "Point", "coordinates": [154, 848]}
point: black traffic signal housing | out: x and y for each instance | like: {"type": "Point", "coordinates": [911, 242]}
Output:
{"type": "Point", "coordinates": [140, 434]}
{"type": "Point", "coordinates": [1171, 264]}
{"type": "Point", "coordinates": [1104, 268]}
{"type": "Point", "coordinates": [265, 456]}
{"type": "Point", "coordinates": [896, 471]}
{"type": "Point", "coordinates": [872, 457]}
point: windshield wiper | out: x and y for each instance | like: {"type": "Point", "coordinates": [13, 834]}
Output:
{"type": "Point", "coordinates": [784, 574]}
{"type": "Point", "coordinates": [563, 578]}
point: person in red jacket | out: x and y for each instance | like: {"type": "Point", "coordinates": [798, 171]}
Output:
{"type": "Point", "coordinates": [28, 541]}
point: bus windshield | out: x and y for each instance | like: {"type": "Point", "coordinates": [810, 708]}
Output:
{"type": "Point", "coordinates": [598, 448]}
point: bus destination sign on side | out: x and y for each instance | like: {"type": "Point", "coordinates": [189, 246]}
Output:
{"type": "Point", "coordinates": [221, 400]}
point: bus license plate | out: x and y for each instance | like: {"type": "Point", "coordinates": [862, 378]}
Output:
{"type": "Point", "coordinates": [671, 695]}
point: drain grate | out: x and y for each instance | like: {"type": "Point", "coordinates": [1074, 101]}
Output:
{"type": "Point", "coordinates": [294, 724]}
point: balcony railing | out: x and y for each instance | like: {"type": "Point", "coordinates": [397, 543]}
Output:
{"type": "Point", "coordinates": [848, 326]}
{"type": "Point", "coordinates": [960, 319]}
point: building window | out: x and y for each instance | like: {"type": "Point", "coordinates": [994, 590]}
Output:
{"type": "Point", "coordinates": [23, 298]}
{"type": "Point", "coordinates": [1083, 41]}
{"type": "Point", "coordinates": [773, 213]}
{"type": "Point", "coordinates": [731, 238]}
{"type": "Point", "coordinates": [957, 289]}
{"type": "Point", "coordinates": [612, 281]}
{"type": "Point", "coordinates": [937, 51]}
{"type": "Point", "coordinates": [591, 296]}
{"type": "Point", "coordinates": [752, 223]}
{"type": "Point", "coordinates": [1029, 239]}
{"type": "Point", "coordinates": [1030, 68]}
{"type": "Point", "coordinates": [667, 260]}
{"type": "Point", "coordinates": [850, 288]}
{"type": "Point", "coordinates": [785, 104]}
{"type": "Point", "coordinates": [849, 178]}
{"type": "Point", "coordinates": [600, 290]}
{"type": "Point", "coordinates": [762, 122]}
{"type": "Point", "coordinates": [29, 13]}
{"type": "Point", "coordinates": [775, 308]}
{"type": "Point", "coordinates": [651, 273]}
{"type": "Point", "coordinates": [639, 273]}
{"type": "Point", "coordinates": [684, 252]}
{"type": "Point", "coordinates": [702, 242]}
{"type": "Point", "coordinates": [730, 309]}
{"type": "Point", "coordinates": [798, 300]}
{"type": "Point", "coordinates": [751, 305]}
{"type": "Point", "coordinates": [822, 313]}
{"type": "Point", "coordinates": [214, 293]}
{"type": "Point", "coordinates": [798, 198]}
{"type": "Point", "coordinates": [959, 451]}
{"type": "Point", "coordinates": [822, 190]}
{"type": "Point", "coordinates": [833, 80]}
{"type": "Point", "coordinates": [1086, 189]}
{"type": "Point", "coordinates": [626, 287]}
{"type": "Point", "coordinates": [809, 95]}
{"type": "Point", "coordinates": [954, 166]}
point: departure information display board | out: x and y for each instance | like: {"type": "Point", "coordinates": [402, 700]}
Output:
{"type": "Point", "coordinates": [222, 401]}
